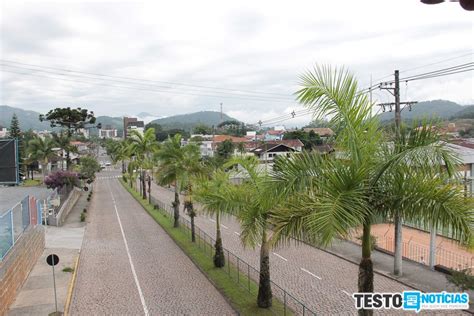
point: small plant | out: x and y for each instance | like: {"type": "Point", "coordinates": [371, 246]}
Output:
{"type": "Point", "coordinates": [83, 217]}
{"type": "Point", "coordinates": [84, 210]}
{"type": "Point", "coordinates": [463, 279]}
{"type": "Point", "coordinates": [68, 269]}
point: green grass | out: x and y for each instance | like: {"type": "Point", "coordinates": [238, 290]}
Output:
{"type": "Point", "coordinates": [68, 269]}
{"type": "Point", "coordinates": [31, 183]}
{"type": "Point", "coordinates": [237, 294]}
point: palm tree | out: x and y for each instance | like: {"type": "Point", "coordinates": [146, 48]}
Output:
{"type": "Point", "coordinates": [178, 164]}
{"type": "Point", "coordinates": [327, 196]}
{"type": "Point", "coordinates": [254, 200]}
{"type": "Point", "coordinates": [143, 146]}
{"type": "Point", "coordinates": [41, 150]}
{"type": "Point", "coordinates": [216, 195]}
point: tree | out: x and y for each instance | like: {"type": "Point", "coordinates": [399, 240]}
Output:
{"type": "Point", "coordinates": [15, 131]}
{"type": "Point", "coordinates": [327, 197]}
{"type": "Point", "coordinates": [225, 149]}
{"type": "Point", "coordinates": [216, 195]}
{"type": "Point", "coordinates": [143, 146]}
{"type": "Point", "coordinates": [41, 150]}
{"type": "Point", "coordinates": [88, 167]}
{"type": "Point", "coordinates": [71, 120]}
{"type": "Point", "coordinates": [202, 129]}
{"type": "Point", "coordinates": [63, 141]}
{"type": "Point", "coordinates": [61, 178]}
{"type": "Point", "coordinates": [253, 202]}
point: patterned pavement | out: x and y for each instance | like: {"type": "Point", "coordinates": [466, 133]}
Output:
{"type": "Point", "coordinates": [130, 266]}
{"type": "Point", "coordinates": [322, 281]}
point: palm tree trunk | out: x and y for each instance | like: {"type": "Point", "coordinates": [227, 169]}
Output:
{"type": "Point", "coordinates": [219, 257]}
{"type": "Point", "coordinates": [149, 190]}
{"type": "Point", "coordinates": [432, 259]}
{"type": "Point", "coordinates": [143, 185]}
{"type": "Point", "coordinates": [397, 264]}
{"type": "Point", "coordinates": [264, 298]}
{"type": "Point", "coordinates": [366, 270]}
{"type": "Point", "coordinates": [176, 205]}
{"type": "Point", "coordinates": [43, 167]}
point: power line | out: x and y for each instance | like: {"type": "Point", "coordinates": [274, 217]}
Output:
{"type": "Point", "coordinates": [147, 80]}
{"type": "Point", "coordinates": [438, 62]}
{"type": "Point", "coordinates": [150, 90]}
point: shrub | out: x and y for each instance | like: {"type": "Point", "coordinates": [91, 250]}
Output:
{"type": "Point", "coordinates": [84, 210]}
{"type": "Point", "coordinates": [83, 217]}
{"type": "Point", "coordinates": [61, 178]}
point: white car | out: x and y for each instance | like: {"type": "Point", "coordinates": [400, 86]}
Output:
{"type": "Point", "coordinates": [108, 163]}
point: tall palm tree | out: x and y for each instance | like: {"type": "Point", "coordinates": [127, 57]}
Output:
{"type": "Point", "coordinates": [41, 150]}
{"type": "Point", "coordinates": [329, 195]}
{"type": "Point", "coordinates": [216, 195]}
{"type": "Point", "coordinates": [254, 200]}
{"type": "Point", "coordinates": [143, 146]}
{"type": "Point", "coordinates": [178, 164]}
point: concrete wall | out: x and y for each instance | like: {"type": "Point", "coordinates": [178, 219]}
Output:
{"type": "Point", "coordinates": [17, 264]}
{"type": "Point", "coordinates": [67, 206]}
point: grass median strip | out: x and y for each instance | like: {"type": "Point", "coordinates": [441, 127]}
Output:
{"type": "Point", "coordinates": [243, 300]}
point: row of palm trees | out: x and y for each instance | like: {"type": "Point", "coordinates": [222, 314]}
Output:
{"type": "Point", "coordinates": [406, 175]}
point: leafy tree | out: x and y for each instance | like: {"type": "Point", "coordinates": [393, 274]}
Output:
{"type": "Point", "coordinates": [69, 119]}
{"type": "Point", "coordinates": [310, 140]}
{"type": "Point", "coordinates": [41, 150]}
{"type": "Point", "coordinates": [15, 131]}
{"type": "Point", "coordinates": [225, 149]}
{"type": "Point", "coordinates": [155, 126]}
{"type": "Point", "coordinates": [202, 129]}
{"type": "Point", "coordinates": [88, 167]}
{"type": "Point", "coordinates": [164, 135]}
{"type": "Point", "coordinates": [63, 141]}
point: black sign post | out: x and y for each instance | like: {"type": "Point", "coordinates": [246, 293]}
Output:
{"type": "Point", "coordinates": [53, 260]}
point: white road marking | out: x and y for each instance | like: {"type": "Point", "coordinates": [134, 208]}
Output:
{"type": "Point", "coordinates": [346, 293]}
{"type": "Point", "coordinates": [314, 275]}
{"type": "Point", "coordinates": [283, 258]}
{"type": "Point", "coordinates": [212, 220]}
{"type": "Point", "coordinates": [224, 226]}
{"type": "Point", "coordinates": [140, 293]}
{"type": "Point", "coordinates": [237, 233]}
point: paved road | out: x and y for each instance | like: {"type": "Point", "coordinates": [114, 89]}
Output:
{"type": "Point", "coordinates": [130, 266]}
{"type": "Point", "coordinates": [322, 281]}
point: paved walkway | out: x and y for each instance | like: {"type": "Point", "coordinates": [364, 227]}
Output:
{"type": "Point", "coordinates": [321, 280]}
{"type": "Point", "coordinates": [130, 266]}
{"type": "Point", "coordinates": [37, 294]}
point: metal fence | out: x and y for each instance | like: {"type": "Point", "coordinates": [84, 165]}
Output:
{"type": "Point", "coordinates": [420, 253]}
{"type": "Point", "coordinates": [237, 269]}
{"type": "Point", "coordinates": [16, 220]}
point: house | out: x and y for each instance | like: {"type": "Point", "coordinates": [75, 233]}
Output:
{"type": "Point", "coordinates": [295, 144]}
{"type": "Point", "coordinates": [3, 132]}
{"type": "Point", "coordinates": [273, 135]}
{"type": "Point", "coordinates": [269, 152]}
{"type": "Point", "coordinates": [466, 170]}
{"type": "Point", "coordinates": [323, 132]}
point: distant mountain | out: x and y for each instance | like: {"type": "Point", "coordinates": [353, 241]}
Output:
{"type": "Point", "coordinates": [115, 122]}
{"type": "Point", "coordinates": [427, 109]}
{"type": "Point", "coordinates": [27, 119]}
{"type": "Point", "coordinates": [466, 113]}
{"type": "Point", "coordinates": [188, 121]}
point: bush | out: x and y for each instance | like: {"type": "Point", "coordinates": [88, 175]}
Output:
{"type": "Point", "coordinates": [83, 217]}
{"type": "Point", "coordinates": [84, 210]}
{"type": "Point", "coordinates": [61, 178]}
{"type": "Point", "coordinates": [463, 280]}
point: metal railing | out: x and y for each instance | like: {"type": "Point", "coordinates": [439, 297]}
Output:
{"type": "Point", "coordinates": [237, 269]}
{"type": "Point", "coordinates": [420, 253]}
{"type": "Point", "coordinates": [16, 220]}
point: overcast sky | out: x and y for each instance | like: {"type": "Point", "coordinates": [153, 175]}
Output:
{"type": "Point", "coordinates": [257, 49]}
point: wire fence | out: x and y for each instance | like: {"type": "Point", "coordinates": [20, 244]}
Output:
{"type": "Point", "coordinates": [237, 269]}
{"type": "Point", "coordinates": [420, 253]}
{"type": "Point", "coordinates": [16, 220]}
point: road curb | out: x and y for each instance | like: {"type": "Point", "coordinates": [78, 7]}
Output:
{"type": "Point", "coordinates": [71, 286]}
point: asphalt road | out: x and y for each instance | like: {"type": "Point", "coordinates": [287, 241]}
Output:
{"type": "Point", "coordinates": [130, 266]}
{"type": "Point", "coordinates": [322, 281]}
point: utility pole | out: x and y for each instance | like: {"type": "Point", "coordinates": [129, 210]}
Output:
{"type": "Point", "coordinates": [397, 219]}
